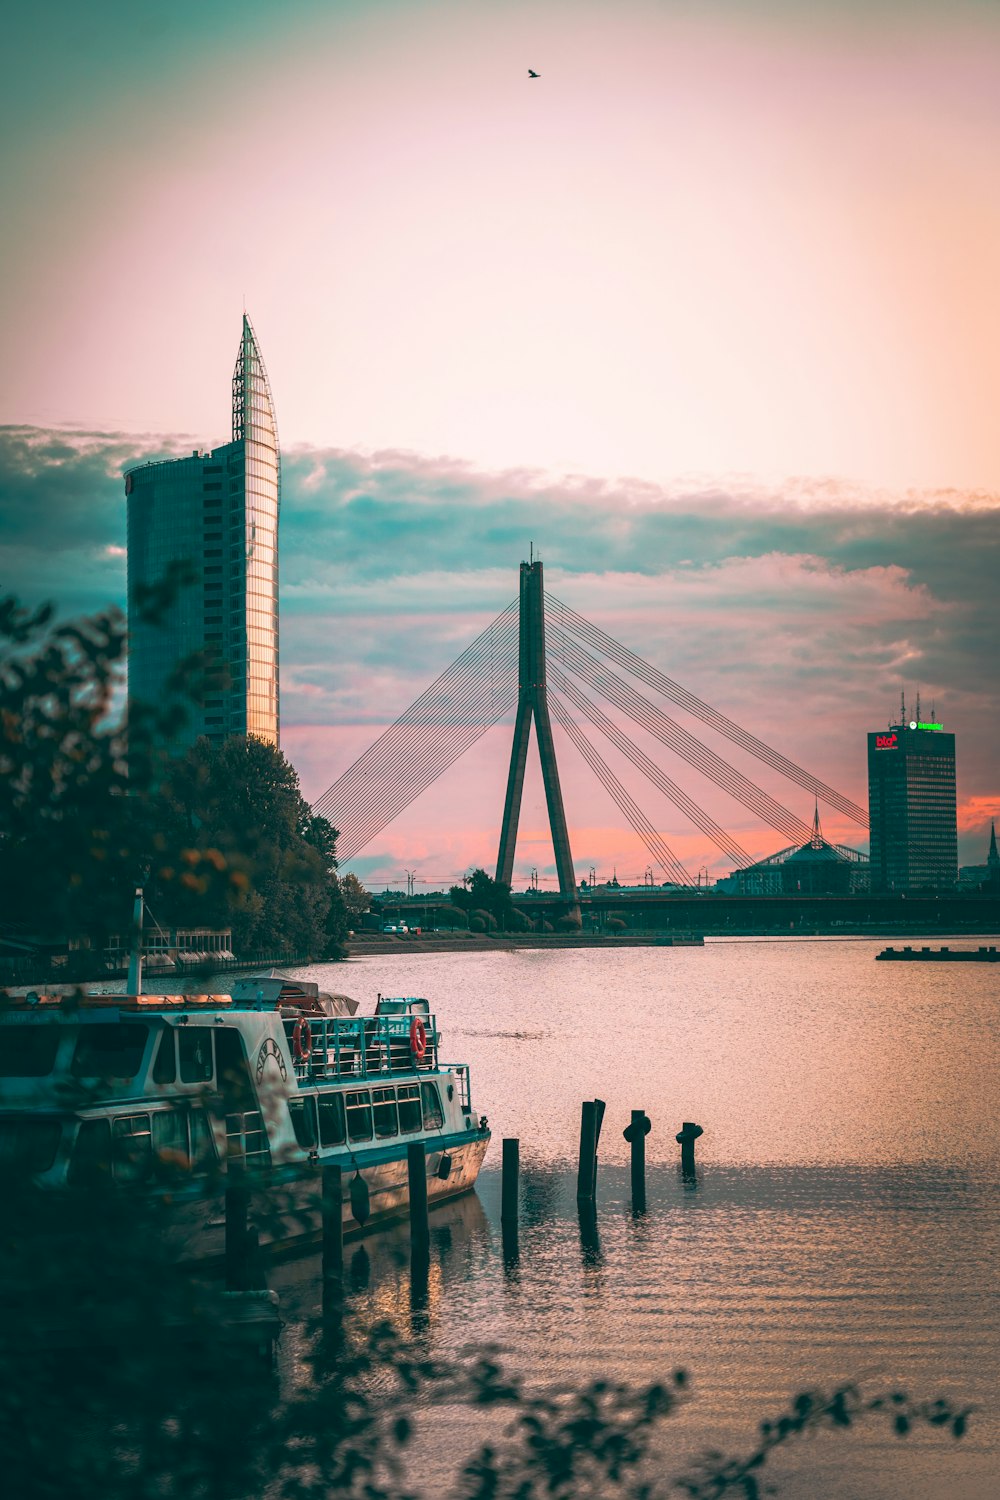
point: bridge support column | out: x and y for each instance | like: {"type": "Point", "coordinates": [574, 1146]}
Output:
{"type": "Point", "coordinates": [532, 700]}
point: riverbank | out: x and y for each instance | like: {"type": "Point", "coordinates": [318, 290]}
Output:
{"type": "Point", "coordinates": [362, 944]}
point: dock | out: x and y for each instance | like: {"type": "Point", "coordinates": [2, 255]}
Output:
{"type": "Point", "coordinates": [982, 955]}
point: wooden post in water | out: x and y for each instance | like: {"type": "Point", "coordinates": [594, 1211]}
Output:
{"type": "Point", "coordinates": [237, 1241]}
{"type": "Point", "coordinates": [509, 1173]}
{"type": "Point", "coordinates": [635, 1133]}
{"type": "Point", "coordinates": [686, 1137]}
{"type": "Point", "coordinates": [333, 1230]}
{"type": "Point", "coordinates": [591, 1116]}
{"type": "Point", "coordinates": [416, 1171]}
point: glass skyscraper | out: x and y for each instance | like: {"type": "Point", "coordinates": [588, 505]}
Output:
{"type": "Point", "coordinates": [912, 807]}
{"type": "Point", "coordinates": [217, 513]}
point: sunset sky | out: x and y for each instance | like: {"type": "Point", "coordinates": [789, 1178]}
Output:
{"type": "Point", "coordinates": [709, 313]}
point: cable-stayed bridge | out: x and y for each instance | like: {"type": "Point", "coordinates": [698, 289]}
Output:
{"type": "Point", "coordinates": [541, 660]}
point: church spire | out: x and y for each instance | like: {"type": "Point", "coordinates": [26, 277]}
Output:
{"type": "Point", "coordinates": [993, 858]}
{"type": "Point", "coordinates": [817, 841]}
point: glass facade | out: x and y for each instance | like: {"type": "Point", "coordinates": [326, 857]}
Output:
{"type": "Point", "coordinates": [217, 513]}
{"type": "Point", "coordinates": [912, 808]}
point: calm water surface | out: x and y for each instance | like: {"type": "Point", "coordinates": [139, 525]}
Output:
{"type": "Point", "coordinates": [844, 1224]}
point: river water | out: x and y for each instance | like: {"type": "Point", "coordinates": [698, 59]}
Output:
{"type": "Point", "coordinates": [844, 1224]}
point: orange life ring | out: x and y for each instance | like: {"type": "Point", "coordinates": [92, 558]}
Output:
{"type": "Point", "coordinates": [302, 1040]}
{"type": "Point", "coordinates": [418, 1039]}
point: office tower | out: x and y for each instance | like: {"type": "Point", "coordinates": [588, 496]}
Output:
{"type": "Point", "coordinates": [218, 513]}
{"type": "Point", "coordinates": [911, 804]}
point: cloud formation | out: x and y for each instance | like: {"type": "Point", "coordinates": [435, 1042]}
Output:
{"type": "Point", "coordinates": [801, 611]}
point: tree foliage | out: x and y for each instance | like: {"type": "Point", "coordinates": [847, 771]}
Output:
{"type": "Point", "coordinates": [357, 900]}
{"type": "Point", "coordinates": [240, 802]}
{"type": "Point", "coordinates": [481, 893]}
{"type": "Point", "coordinates": [90, 807]}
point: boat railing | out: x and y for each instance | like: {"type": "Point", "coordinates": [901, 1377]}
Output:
{"type": "Point", "coordinates": [461, 1072]}
{"type": "Point", "coordinates": [362, 1046]}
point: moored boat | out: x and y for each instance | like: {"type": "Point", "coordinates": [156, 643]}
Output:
{"type": "Point", "coordinates": [166, 1093]}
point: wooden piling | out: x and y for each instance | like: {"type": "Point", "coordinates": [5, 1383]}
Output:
{"type": "Point", "coordinates": [237, 1215]}
{"type": "Point", "coordinates": [509, 1171]}
{"type": "Point", "coordinates": [635, 1133]}
{"type": "Point", "coordinates": [591, 1115]}
{"type": "Point", "coordinates": [416, 1171]}
{"type": "Point", "coordinates": [333, 1229]}
{"type": "Point", "coordinates": [686, 1137]}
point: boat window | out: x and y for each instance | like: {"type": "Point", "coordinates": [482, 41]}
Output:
{"type": "Point", "coordinates": [204, 1157]}
{"type": "Point", "coordinates": [409, 1108]}
{"type": "Point", "coordinates": [91, 1159]}
{"type": "Point", "coordinates": [28, 1051]}
{"type": "Point", "coordinates": [433, 1113]}
{"type": "Point", "coordinates": [111, 1051]}
{"type": "Point", "coordinates": [359, 1115]}
{"type": "Point", "coordinates": [233, 1070]}
{"type": "Point", "coordinates": [195, 1047]}
{"type": "Point", "coordinates": [28, 1143]}
{"type": "Point", "coordinates": [384, 1112]}
{"type": "Point", "coordinates": [165, 1066]}
{"type": "Point", "coordinates": [132, 1160]}
{"type": "Point", "coordinates": [303, 1113]}
{"type": "Point", "coordinates": [332, 1131]}
{"type": "Point", "coordinates": [170, 1142]}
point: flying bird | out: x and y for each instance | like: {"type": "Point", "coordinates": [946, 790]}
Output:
{"type": "Point", "coordinates": [533, 74]}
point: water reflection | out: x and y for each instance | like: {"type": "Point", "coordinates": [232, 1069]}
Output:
{"type": "Point", "coordinates": [361, 1270]}
{"type": "Point", "coordinates": [843, 1219]}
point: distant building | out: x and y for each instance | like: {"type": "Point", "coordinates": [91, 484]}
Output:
{"type": "Point", "coordinates": [912, 807]}
{"type": "Point", "coordinates": [983, 877]}
{"type": "Point", "coordinates": [816, 868]}
{"type": "Point", "coordinates": [217, 512]}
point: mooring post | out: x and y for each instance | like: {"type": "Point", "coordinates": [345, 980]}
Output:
{"type": "Point", "coordinates": [591, 1115]}
{"type": "Point", "coordinates": [635, 1133]}
{"type": "Point", "coordinates": [237, 1239]}
{"type": "Point", "coordinates": [509, 1172]}
{"type": "Point", "coordinates": [333, 1230]}
{"type": "Point", "coordinates": [686, 1137]}
{"type": "Point", "coordinates": [416, 1172]}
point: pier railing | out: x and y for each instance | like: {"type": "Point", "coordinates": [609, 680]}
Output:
{"type": "Point", "coordinates": [361, 1047]}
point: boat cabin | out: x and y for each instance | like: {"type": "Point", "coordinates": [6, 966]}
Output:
{"type": "Point", "coordinates": [276, 1074]}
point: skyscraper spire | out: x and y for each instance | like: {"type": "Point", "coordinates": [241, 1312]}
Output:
{"type": "Point", "coordinates": [220, 510]}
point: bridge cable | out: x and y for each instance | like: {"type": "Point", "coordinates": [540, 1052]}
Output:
{"type": "Point", "coordinates": [472, 696]}
{"type": "Point", "coordinates": [654, 841]}
{"type": "Point", "coordinates": [481, 647]}
{"type": "Point", "coordinates": [421, 710]}
{"type": "Point", "coordinates": [684, 699]}
{"type": "Point", "coordinates": [401, 756]}
{"type": "Point", "coordinates": [702, 821]}
{"type": "Point", "coordinates": [475, 692]}
{"type": "Point", "coordinates": [676, 738]}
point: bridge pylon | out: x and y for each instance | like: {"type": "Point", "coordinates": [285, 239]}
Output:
{"type": "Point", "coordinates": [532, 701]}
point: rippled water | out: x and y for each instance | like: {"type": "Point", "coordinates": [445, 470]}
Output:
{"type": "Point", "coordinates": [844, 1223]}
